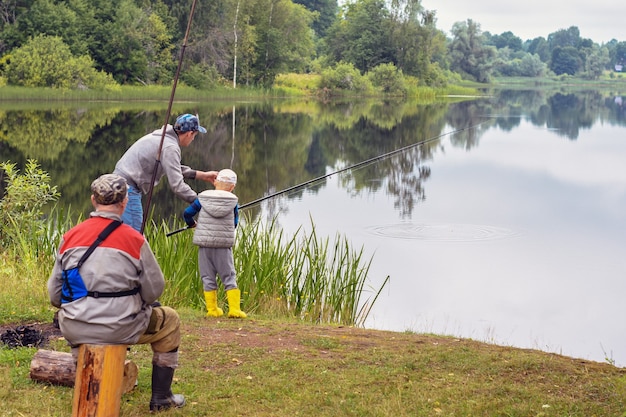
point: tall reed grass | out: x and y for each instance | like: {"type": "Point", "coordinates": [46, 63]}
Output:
{"type": "Point", "coordinates": [315, 279]}
{"type": "Point", "coordinates": [302, 275]}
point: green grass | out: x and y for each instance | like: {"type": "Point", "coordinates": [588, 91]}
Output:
{"type": "Point", "coordinates": [127, 93]}
{"type": "Point", "coordinates": [608, 82]}
{"type": "Point", "coordinates": [286, 85]}
{"type": "Point", "coordinates": [281, 368]}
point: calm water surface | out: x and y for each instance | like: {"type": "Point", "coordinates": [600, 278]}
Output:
{"type": "Point", "coordinates": [506, 225]}
{"type": "Point", "coordinates": [519, 241]}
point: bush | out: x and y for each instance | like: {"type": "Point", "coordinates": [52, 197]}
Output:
{"type": "Point", "coordinates": [46, 61]}
{"type": "Point", "coordinates": [24, 197]}
{"type": "Point", "coordinates": [344, 76]}
{"type": "Point", "coordinates": [202, 77]}
{"type": "Point", "coordinates": [388, 79]}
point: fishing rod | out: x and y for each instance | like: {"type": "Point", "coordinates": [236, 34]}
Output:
{"type": "Point", "coordinates": [357, 165]}
{"type": "Point", "coordinates": [157, 162]}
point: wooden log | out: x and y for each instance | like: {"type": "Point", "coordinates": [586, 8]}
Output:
{"type": "Point", "coordinates": [59, 368]}
{"type": "Point", "coordinates": [99, 374]}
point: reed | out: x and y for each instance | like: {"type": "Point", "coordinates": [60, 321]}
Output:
{"type": "Point", "coordinates": [302, 275]}
{"type": "Point", "coordinates": [177, 256]}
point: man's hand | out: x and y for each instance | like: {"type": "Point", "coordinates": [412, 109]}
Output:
{"type": "Point", "coordinates": [208, 176]}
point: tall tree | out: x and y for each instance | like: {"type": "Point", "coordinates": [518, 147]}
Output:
{"type": "Point", "coordinates": [539, 46]}
{"type": "Point", "coordinates": [505, 40]}
{"type": "Point", "coordinates": [405, 31]}
{"type": "Point", "coordinates": [283, 38]}
{"type": "Point", "coordinates": [134, 45]}
{"type": "Point", "coordinates": [46, 17]}
{"type": "Point", "coordinates": [617, 54]}
{"type": "Point", "coordinates": [596, 60]}
{"type": "Point", "coordinates": [362, 36]}
{"type": "Point", "coordinates": [564, 37]}
{"type": "Point", "coordinates": [326, 14]}
{"type": "Point", "coordinates": [565, 60]}
{"type": "Point", "coordinates": [10, 34]}
{"type": "Point", "coordinates": [469, 56]}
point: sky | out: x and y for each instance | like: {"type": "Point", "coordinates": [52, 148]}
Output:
{"type": "Point", "coordinates": [598, 20]}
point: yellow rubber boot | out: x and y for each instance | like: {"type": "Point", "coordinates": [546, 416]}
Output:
{"type": "Point", "coordinates": [212, 310]}
{"type": "Point", "coordinates": [234, 306]}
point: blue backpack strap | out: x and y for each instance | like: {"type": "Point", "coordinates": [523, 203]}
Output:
{"type": "Point", "coordinates": [73, 285]}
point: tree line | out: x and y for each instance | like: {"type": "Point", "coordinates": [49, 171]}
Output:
{"type": "Point", "coordinates": [101, 44]}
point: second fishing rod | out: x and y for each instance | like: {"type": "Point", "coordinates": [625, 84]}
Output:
{"type": "Point", "coordinates": [348, 168]}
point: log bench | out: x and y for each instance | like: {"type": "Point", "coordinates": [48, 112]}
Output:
{"type": "Point", "coordinates": [100, 377]}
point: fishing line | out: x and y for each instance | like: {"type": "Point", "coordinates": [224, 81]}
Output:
{"type": "Point", "coordinates": [351, 167]}
{"type": "Point", "coordinates": [357, 165]}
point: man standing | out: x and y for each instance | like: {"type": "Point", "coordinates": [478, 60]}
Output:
{"type": "Point", "coordinates": [108, 298]}
{"type": "Point", "coordinates": [138, 163]}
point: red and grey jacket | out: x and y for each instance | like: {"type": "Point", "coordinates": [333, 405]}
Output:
{"type": "Point", "coordinates": [122, 262]}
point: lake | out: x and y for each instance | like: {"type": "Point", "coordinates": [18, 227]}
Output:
{"type": "Point", "coordinates": [498, 218]}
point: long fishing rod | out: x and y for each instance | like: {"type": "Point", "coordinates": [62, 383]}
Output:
{"type": "Point", "coordinates": [157, 162]}
{"type": "Point", "coordinates": [357, 165]}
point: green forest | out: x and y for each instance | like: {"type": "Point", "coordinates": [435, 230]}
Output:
{"type": "Point", "coordinates": [104, 44]}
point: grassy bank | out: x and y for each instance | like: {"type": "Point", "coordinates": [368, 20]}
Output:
{"type": "Point", "coordinates": [273, 367]}
{"type": "Point", "coordinates": [608, 82]}
{"type": "Point", "coordinates": [127, 93]}
{"type": "Point", "coordinates": [287, 85]}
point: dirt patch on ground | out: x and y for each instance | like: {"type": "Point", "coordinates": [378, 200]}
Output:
{"type": "Point", "coordinates": [249, 333]}
{"type": "Point", "coordinates": [273, 337]}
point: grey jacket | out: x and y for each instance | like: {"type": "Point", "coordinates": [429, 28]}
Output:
{"type": "Point", "coordinates": [216, 219]}
{"type": "Point", "coordinates": [123, 261]}
{"type": "Point", "coordinates": [137, 164]}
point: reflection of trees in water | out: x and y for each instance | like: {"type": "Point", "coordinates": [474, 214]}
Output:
{"type": "Point", "coordinates": [401, 174]}
{"type": "Point", "coordinates": [407, 184]}
{"type": "Point", "coordinates": [45, 134]}
{"type": "Point", "coordinates": [278, 145]}
{"type": "Point", "coordinates": [469, 121]}
{"type": "Point", "coordinates": [565, 113]}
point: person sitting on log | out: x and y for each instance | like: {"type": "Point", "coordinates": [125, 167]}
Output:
{"type": "Point", "coordinates": [110, 299]}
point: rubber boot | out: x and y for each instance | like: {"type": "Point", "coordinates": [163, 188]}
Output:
{"type": "Point", "coordinates": [234, 304]}
{"type": "Point", "coordinates": [212, 310]}
{"type": "Point", "coordinates": [162, 397]}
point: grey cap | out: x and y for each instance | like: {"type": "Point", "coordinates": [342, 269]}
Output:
{"type": "Point", "coordinates": [109, 189]}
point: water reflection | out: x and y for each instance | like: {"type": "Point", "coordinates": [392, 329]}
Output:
{"type": "Point", "coordinates": [489, 223]}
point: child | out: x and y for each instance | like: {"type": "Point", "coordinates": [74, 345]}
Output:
{"type": "Point", "coordinates": [215, 235]}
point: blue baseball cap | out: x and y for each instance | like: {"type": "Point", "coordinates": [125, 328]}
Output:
{"type": "Point", "coordinates": [188, 123]}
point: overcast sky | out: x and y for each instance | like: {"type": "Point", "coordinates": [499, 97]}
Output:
{"type": "Point", "coordinates": [599, 20]}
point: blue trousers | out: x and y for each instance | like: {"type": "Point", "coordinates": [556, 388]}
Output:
{"type": "Point", "coordinates": [133, 214]}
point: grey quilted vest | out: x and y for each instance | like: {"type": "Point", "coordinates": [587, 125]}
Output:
{"type": "Point", "coordinates": [216, 220]}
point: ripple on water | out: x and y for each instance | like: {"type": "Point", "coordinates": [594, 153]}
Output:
{"type": "Point", "coordinates": [443, 232]}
